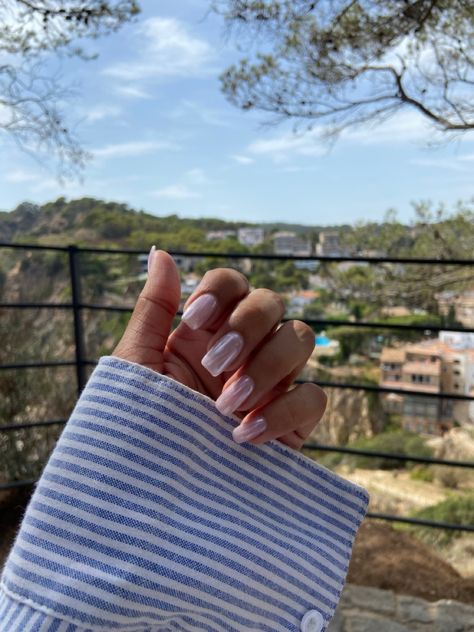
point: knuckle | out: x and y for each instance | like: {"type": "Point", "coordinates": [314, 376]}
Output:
{"type": "Point", "coordinates": [269, 298]}
{"type": "Point", "coordinates": [227, 276]}
{"type": "Point", "coordinates": [314, 397]}
{"type": "Point", "coordinates": [304, 333]}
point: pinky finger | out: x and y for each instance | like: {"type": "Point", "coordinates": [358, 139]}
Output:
{"type": "Point", "coordinates": [290, 417]}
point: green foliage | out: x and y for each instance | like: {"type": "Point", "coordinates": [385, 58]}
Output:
{"type": "Point", "coordinates": [422, 473]}
{"type": "Point", "coordinates": [341, 64]}
{"type": "Point", "coordinates": [396, 441]}
{"type": "Point", "coordinates": [32, 98]}
{"type": "Point", "coordinates": [458, 509]}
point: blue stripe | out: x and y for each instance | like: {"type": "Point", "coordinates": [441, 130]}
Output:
{"type": "Point", "coordinates": [214, 449]}
{"type": "Point", "coordinates": [266, 515]}
{"type": "Point", "coordinates": [292, 519]}
{"type": "Point", "coordinates": [186, 544]}
{"type": "Point", "coordinates": [211, 438]}
{"type": "Point", "coordinates": [156, 567]}
{"type": "Point", "coordinates": [248, 508]}
{"type": "Point", "coordinates": [167, 384]}
{"type": "Point", "coordinates": [191, 502]}
{"type": "Point", "coordinates": [134, 579]}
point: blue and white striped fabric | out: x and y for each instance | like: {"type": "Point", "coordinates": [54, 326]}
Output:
{"type": "Point", "coordinates": [150, 518]}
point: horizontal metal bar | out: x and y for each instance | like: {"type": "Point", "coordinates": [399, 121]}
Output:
{"type": "Point", "coordinates": [35, 306]}
{"type": "Point", "coordinates": [323, 383]}
{"type": "Point", "coordinates": [383, 389]}
{"type": "Point", "coordinates": [388, 455]}
{"type": "Point", "coordinates": [106, 308]}
{"type": "Point", "coordinates": [5, 244]}
{"type": "Point", "coordinates": [371, 515]}
{"type": "Point", "coordinates": [239, 255]}
{"type": "Point", "coordinates": [375, 325]}
{"type": "Point", "coordinates": [36, 365]}
{"type": "Point", "coordinates": [315, 322]}
{"type": "Point", "coordinates": [32, 424]}
{"type": "Point", "coordinates": [421, 523]}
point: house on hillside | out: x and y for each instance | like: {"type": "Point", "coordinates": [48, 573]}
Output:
{"type": "Point", "coordinates": [429, 367]}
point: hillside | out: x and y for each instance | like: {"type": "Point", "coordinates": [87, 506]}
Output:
{"type": "Point", "coordinates": [88, 221]}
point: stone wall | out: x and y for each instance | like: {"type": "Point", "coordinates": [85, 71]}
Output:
{"type": "Point", "coordinates": [364, 609]}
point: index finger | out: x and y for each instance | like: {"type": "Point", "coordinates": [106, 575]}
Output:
{"type": "Point", "coordinates": [217, 294]}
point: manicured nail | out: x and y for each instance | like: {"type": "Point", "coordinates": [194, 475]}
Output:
{"type": "Point", "coordinates": [151, 255]}
{"type": "Point", "coordinates": [230, 399]}
{"type": "Point", "coordinates": [223, 353]}
{"type": "Point", "coordinates": [249, 430]}
{"type": "Point", "coordinates": [199, 311]}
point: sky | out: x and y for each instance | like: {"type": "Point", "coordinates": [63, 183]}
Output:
{"type": "Point", "coordinates": [164, 139]}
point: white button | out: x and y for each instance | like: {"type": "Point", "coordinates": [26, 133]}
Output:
{"type": "Point", "coordinates": [312, 621]}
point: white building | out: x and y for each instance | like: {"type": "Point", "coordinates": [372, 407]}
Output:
{"type": "Point", "coordinates": [329, 244]}
{"type": "Point", "coordinates": [289, 243]}
{"type": "Point", "coordinates": [251, 237]}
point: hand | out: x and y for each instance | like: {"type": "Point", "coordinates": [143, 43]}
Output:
{"type": "Point", "coordinates": [230, 346]}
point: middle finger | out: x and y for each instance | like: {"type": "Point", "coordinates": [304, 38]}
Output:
{"type": "Point", "coordinates": [254, 318]}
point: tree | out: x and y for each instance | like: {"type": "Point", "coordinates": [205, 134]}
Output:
{"type": "Point", "coordinates": [30, 99]}
{"type": "Point", "coordinates": [433, 234]}
{"type": "Point", "coordinates": [346, 62]}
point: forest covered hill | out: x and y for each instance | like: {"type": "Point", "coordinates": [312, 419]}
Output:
{"type": "Point", "coordinates": [88, 221]}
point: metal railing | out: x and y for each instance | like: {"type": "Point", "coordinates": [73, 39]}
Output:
{"type": "Point", "coordinates": [81, 362]}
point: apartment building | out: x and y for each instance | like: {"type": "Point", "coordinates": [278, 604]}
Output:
{"type": "Point", "coordinates": [442, 365]}
{"type": "Point", "coordinates": [251, 237]}
{"type": "Point", "coordinates": [289, 243]}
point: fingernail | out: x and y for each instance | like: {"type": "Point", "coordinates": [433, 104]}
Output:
{"type": "Point", "coordinates": [199, 311]}
{"type": "Point", "coordinates": [249, 430]}
{"type": "Point", "coordinates": [230, 399]}
{"type": "Point", "coordinates": [223, 353]}
{"type": "Point", "coordinates": [151, 255]}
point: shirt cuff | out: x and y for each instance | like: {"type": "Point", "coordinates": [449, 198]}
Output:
{"type": "Point", "coordinates": [149, 517]}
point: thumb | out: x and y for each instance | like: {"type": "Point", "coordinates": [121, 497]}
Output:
{"type": "Point", "coordinates": [147, 332]}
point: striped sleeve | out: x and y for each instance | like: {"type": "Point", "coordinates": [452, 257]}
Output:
{"type": "Point", "coordinates": [149, 518]}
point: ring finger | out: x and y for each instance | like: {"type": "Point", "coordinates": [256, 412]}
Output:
{"type": "Point", "coordinates": [270, 370]}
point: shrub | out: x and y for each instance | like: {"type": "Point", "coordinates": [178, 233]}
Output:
{"type": "Point", "coordinates": [397, 442]}
{"type": "Point", "coordinates": [458, 509]}
{"type": "Point", "coordinates": [422, 473]}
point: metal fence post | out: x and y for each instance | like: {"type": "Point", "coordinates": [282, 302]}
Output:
{"type": "Point", "coordinates": [79, 343]}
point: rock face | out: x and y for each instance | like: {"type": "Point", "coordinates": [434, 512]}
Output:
{"type": "Point", "coordinates": [457, 444]}
{"type": "Point", "coordinates": [349, 415]}
{"type": "Point", "coordinates": [364, 609]}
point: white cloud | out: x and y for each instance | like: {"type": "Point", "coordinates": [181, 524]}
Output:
{"type": "Point", "coordinates": [209, 116]}
{"type": "Point", "coordinates": [407, 126]}
{"type": "Point", "coordinates": [138, 148]}
{"type": "Point", "coordinates": [20, 175]}
{"type": "Point", "coordinates": [132, 92]}
{"type": "Point", "coordinates": [242, 160]}
{"type": "Point", "coordinates": [176, 192]}
{"type": "Point", "coordinates": [100, 112]}
{"type": "Point", "coordinates": [451, 164]}
{"type": "Point", "coordinates": [287, 145]}
{"type": "Point", "coordinates": [197, 176]}
{"type": "Point", "coordinates": [166, 49]}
